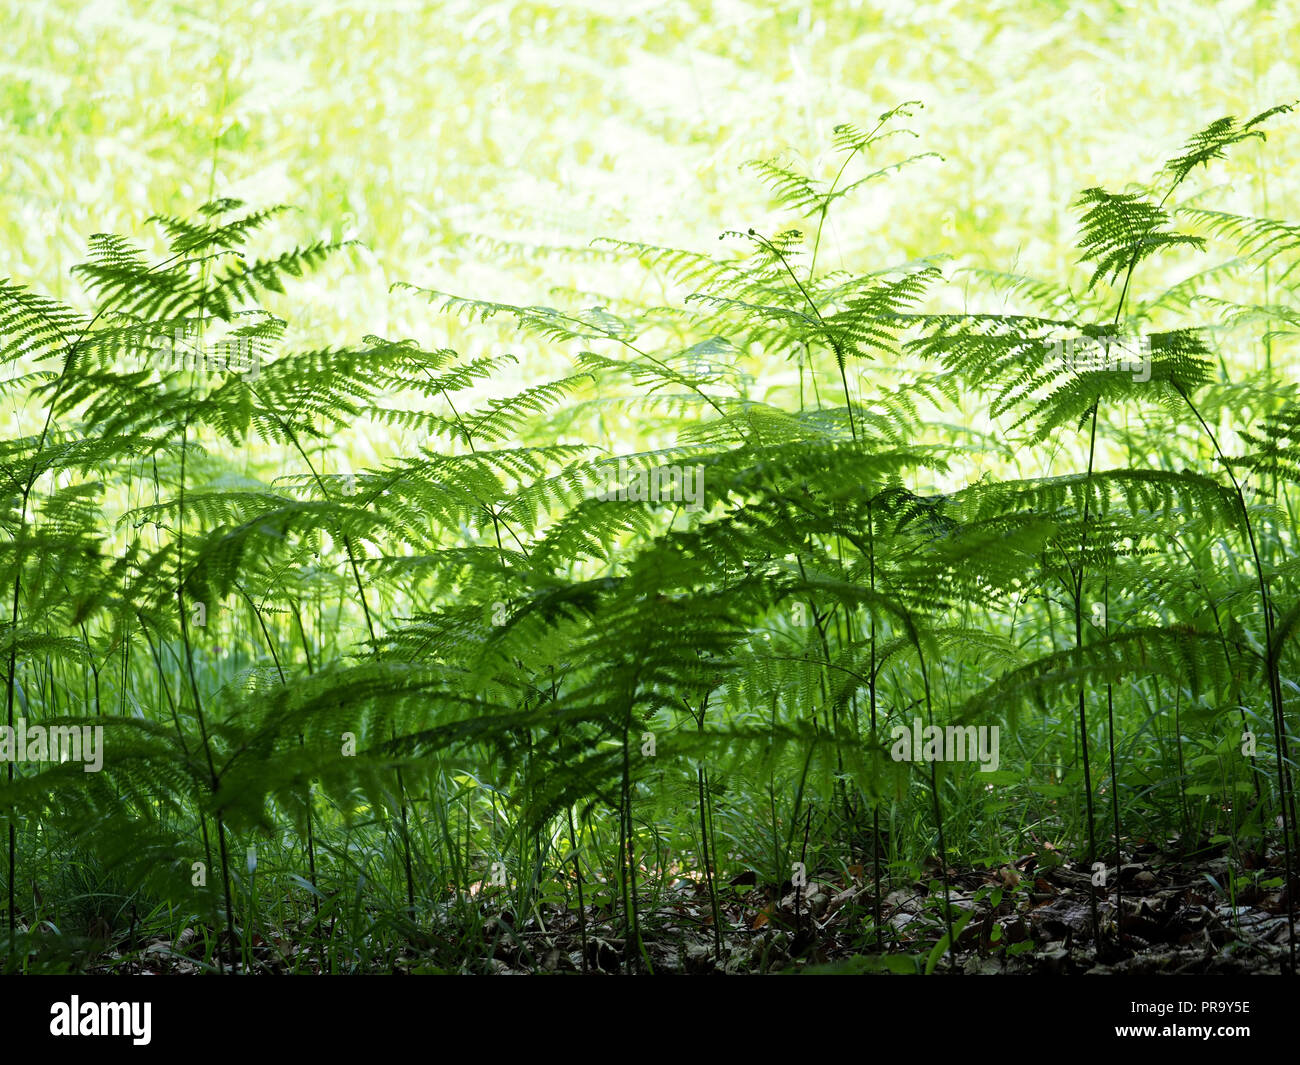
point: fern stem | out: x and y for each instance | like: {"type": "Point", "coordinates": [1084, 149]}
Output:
{"type": "Point", "coordinates": [1083, 710]}
{"type": "Point", "coordinates": [835, 347]}
{"type": "Point", "coordinates": [1286, 791]}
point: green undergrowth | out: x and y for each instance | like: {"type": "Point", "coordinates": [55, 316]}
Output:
{"type": "Point", "coordinates": [512, 667]}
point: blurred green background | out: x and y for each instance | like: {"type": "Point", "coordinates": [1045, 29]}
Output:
{"type": "Point", "coordinates": [412, 126]}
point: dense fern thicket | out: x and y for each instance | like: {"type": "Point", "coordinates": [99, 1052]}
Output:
{"type": "Point", "coordinates": [357, 716]}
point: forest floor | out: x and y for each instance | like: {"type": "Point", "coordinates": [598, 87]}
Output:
{"type": "Point", "coordinates": [1174, 921]}
{"type": "Point", "coordinates": [1177, 919]}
